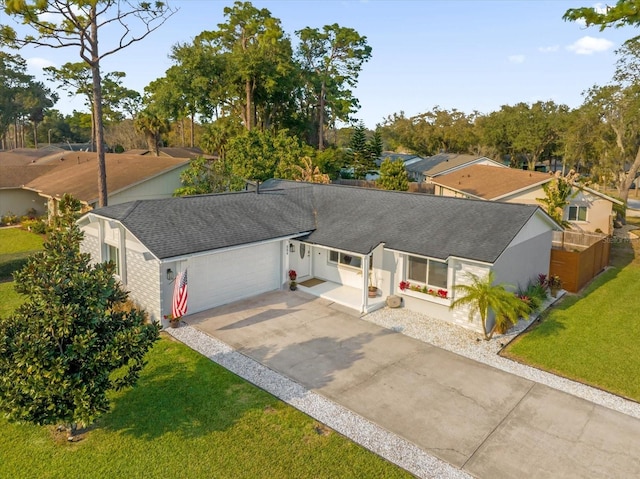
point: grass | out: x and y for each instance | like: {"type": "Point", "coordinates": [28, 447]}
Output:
{"type": "Point", "coordinates": [592, 337]}
{"type": "Point", "coordinates": [190, 418]}
{"type": "Point", "coordinates": [15, 246]}
{"type": "Point", "coordinates": [16, 240]}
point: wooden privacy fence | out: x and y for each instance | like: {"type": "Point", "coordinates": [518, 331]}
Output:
{"type": "Point", "coordinates": [578, 257]}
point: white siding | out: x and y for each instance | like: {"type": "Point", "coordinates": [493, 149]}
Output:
{"type": "Point", "coordinates": [221, 278]}
{"type": "Point", "coordinates": [323, 269]}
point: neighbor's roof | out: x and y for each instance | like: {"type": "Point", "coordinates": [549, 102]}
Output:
{"type": "Point", "coordinates": [77, 174]}
{"type": "Point", "coordinates": [490, 182]}
{"type": "Point", "coordinates": [437, 164]}
{"type": "Point", "coordinates": [341, 217]}
{"type": "Point", "coordinates": [174, 152]}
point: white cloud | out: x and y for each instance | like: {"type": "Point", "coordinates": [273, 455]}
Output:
{"type": "Point", "coordinates": [516, 58]}
{"type": "Point", "coordinates": [37, 64]}
{"type": "Point", "coordinates": [600, 8]}
{"type": "Point", "coordinates": [588, 45]}
{"type": "Point", "coordinates": [552, 48]}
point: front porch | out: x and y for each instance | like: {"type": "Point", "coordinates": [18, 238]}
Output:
{"type": "Point", "coordinates": [348, 296]}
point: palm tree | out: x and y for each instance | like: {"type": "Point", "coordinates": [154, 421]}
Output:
{"type": "Point", "coordinates": [482, 295]}
{"type": "Point", "coordinates": [152, 126]}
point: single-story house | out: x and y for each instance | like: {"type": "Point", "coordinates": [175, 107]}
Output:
{"type": "Point", "coordinates": [426, 169]}
{"type": "Point", "coordinates": [338, 239]}
{"type": "Point", "coordinates": [38, 182]}
{"type": "Point", "coordinates": [588, 209]}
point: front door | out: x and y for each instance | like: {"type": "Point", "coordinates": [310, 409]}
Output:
{"type": "Point", "coordinates": [301, 259]}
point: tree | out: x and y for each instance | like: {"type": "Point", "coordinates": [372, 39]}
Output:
{"type": "Point", "coordinates": [361, 153]}
{"type": "Point", "coordinates": [21, 98]}
{"type": "Point", "coordinates": [76, 79]}
{"type": "Point", "coordinates": [254, 59]}
{"type": "Point", "coordinates": [556, 196]}
{"type": "Point", "coordinates": [72, 340]}
{"type": "Point", "coordinates": [483, 297]}
{"type": "Point", "coordinates": [261, 155]}
{"type": "Point", "coordinates": [309, 173]}
{"type": "Point", "coordinates": [207, 176]}
{"type": "Point", "coordinates": [152, 125]}
{"type": "Point", "coordinates": [332, 59]}
{"type": "Point", "coordinates": [624, 12]}
{"type": "Point", "coordinates": [79, 26]}
{"type": "Point", "coordinates": [393, 175]}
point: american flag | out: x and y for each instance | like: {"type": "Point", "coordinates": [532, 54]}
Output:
{"type": "Point", "coordinates": [179, 305]}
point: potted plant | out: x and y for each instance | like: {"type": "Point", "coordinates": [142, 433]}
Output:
{"type": "Point", "coordinates": [173, 321]}
{"type": "Point", "coordinates": [373, 290]}
{"type": "Point", "coordinates": [555, 284]}
{"type": "Point", "coordinates": [292, 280]}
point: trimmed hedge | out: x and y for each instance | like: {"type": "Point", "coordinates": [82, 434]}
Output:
{"type": "Point", "coordinates": [12, 262]}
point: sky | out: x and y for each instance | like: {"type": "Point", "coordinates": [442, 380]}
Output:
{"type": "Point", "coordinates": [469, 55]}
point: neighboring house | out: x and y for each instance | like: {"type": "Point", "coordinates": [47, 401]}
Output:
{"type": "Point", "coordinates": [406, 158]}
{"type": "Point", "coordinates": [40, 182]}
{"type": "Point", "coordinates": [588, 209]}
{"type": "Point", "coordinates": [342, 239]}
{"type": "Point", "coordinates": [431, 167]}
{"type": "Point", "coordinates": [174, 152]}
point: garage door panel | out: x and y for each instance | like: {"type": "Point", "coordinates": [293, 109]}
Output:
{"type": "Point", "coordinates": [222, 278]}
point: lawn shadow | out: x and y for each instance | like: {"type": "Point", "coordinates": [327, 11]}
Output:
{"type": "Point", "coordinates": [190, 396]}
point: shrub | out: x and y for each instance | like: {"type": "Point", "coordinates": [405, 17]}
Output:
{"type": "Point", "coordinates": [9, 219]}
{"type": "Point", "coordinates": [38, 226]}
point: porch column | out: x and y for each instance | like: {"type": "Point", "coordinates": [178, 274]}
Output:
{"type": "Point", "coordinates": [365, 280]}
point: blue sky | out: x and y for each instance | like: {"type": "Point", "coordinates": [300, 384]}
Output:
{"type": "Point", "coordinates": [469, 55]}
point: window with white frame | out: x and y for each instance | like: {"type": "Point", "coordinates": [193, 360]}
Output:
{"type": "Point", "coordinates": [577, 213]}
{"type": "Point", "coordinates": [427, 272]}
{"type": "Point", "coordinates": [344, 259]}
{"type": "Point", "coordinates": [113, 254]}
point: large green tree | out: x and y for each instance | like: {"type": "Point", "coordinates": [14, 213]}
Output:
{"type": "Point", "coordinates": [253, 58]}
{"type": "Point", "coordinates": [77, 24]}
{"type": "Point", "coordinates": [261, 155]}
{"type": "Point", "coordinates": [332, 58]}
{"type": "Point", "coordinates": [393, 175]}
{"type": "Point", "coordinates": [72, 340]}
{"type": "Point", "coordinates": [21, 98]}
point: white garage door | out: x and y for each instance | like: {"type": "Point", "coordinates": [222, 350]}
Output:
{"type": "Point", "coordinates": [222, 278]}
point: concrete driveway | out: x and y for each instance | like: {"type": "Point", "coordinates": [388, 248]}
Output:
{"type": "Point", "coordinates": [485, 421]}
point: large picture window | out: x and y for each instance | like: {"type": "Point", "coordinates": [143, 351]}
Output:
{"type": "Point", "coordinates": [427, 272]}
{"type": "Point", "coordinates": [577, 213]}
{"type": "Point", "coordinates": [345, 259]}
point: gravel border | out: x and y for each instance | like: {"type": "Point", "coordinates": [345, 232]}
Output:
{"type": "Point", "coordinates": [471, 344]}
{"type": "Point", "coordinates": [390, 446]}
{"type": "Point", "coordinates": [360, 430]}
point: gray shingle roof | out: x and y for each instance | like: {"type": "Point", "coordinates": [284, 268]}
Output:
{"type": "Point", "coordinates": [436, 164]}
{"type": "Point", "coordinates": [347, 218]}
{"type": "Point", "coordinates": [179, 226]}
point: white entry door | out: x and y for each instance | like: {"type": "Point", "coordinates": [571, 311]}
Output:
{"type": "Point", "coordinates": [300, 259]}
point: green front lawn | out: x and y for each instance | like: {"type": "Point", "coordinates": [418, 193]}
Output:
{"type": "Point", "coordinates": [16, 245]}
{"type": "Point", "coordinates": [16, 240]}
{"type": "Point", "coordinates": [10, 299]}
{"type": "Point", "coordinates": [593, 337]}
{"type": "Point", "coordinates": [190, 418]}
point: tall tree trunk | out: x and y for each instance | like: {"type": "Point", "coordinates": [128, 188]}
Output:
{"type": "Point", "coordinates": [193, 135]}
{"type": "Point", "coordinates": [182, 142]}
{"type": "Point", "coordinates": [631, 175]}
{"type": "Point", "coordinates": [97, 111]}
{"type": "Point", "coordinates": [248, 106]}
{"type": "Point", "coordinates": [321, 105]}
{"type": "Point", "coordinates": [35, 134]}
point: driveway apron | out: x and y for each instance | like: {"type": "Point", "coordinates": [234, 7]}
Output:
{"type": "Point", "coordinates": [485, 421]}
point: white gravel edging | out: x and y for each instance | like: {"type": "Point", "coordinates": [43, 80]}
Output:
{"type": "Point", "coordinates": [360, 430]}
{"type": "Point", "coordinates": [471, 344]}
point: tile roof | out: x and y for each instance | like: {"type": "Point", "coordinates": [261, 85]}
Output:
{"type": "Point", "coordinates": [341, 217]}
{"type": "Point", "coordinates": [490, 182]}
{"type": "Point", "coordinates": [77, 173]}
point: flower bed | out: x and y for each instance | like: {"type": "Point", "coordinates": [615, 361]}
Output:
{"type": "Point", "coordinates": [440, 296]}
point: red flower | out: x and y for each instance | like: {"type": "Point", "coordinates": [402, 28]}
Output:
{"type": "Point", "coordinates": [292, 275]}
{"type": "Point", "coordinates": [404, 285]}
